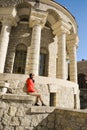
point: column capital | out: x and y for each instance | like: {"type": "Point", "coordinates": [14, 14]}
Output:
{"type": "Point", "coordinates": [9, 16]}
{"type": "Point", "coordinates": [72, 40]}
{"type": "Point", "coordinates": [37, 17]}
{"type": "Point", "coordinates": [61, 27]}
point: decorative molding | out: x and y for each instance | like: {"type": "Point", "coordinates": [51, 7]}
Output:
{"type": "Point", "coordinates": [37, 17]}
{"type": "Point", "coordinates": [61, 27]}
{"type": "Point", "coordinates": [9, 15]}
{"type": "Point", "coordinates": [72, 40]}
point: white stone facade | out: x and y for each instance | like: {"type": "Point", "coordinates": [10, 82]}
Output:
{"type": "Point", "coordinates": [47, 31]}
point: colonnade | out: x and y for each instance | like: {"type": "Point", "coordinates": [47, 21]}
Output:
{"type": "Point", "coordinates": [61, 29]}
{"type": "Point", "coordinates": [65, 40]}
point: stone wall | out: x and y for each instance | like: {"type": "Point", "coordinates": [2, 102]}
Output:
{"type": "Point", "coordinates": [70, 119]}
{"type": "Point", "coordinates": [82, 67]}
{"type": "Point", "coordinates": [64, 90]}
{"type": "Point", "coordinates": [83, 98]}
{"type": "Point", "coordinates": [82, 81]}
{"type": "Point", "coordinates": [18, 114]}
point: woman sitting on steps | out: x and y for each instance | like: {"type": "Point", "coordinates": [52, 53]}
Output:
{"type": "Point", "coordinates": [31, 91]}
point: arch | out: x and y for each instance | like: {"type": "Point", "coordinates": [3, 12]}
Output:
{"type": "Point", "coordinates": [20, 59]}
{"type": "Point", "coordinates": [53, 16]}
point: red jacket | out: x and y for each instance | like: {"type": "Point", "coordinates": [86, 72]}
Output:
{"type": "Point", "coordinates": [30, 85]}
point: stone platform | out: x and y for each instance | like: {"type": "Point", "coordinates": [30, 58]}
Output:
{"type": "Point", "coordinates": [66, 92]}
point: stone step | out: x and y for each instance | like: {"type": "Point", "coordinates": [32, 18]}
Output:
{"type": "Point", "coordinates": [26, 98]}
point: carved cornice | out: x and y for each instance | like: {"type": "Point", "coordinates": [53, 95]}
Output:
{"type": "Point", "coordinates": [72, 43]}
{"type": "Point", "coordinates": [37, 17]}
{"type": "Point", "coordinates": [61, 27]}
{"type": "Point", "coordinates": [9, 15]}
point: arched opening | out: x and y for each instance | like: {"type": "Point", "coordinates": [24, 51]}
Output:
{"type": "Point", "coordinates": [43, 63]}
{"type": "Point", "coordinates": [20, 59]}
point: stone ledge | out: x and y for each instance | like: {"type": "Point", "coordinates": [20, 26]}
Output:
{"type": "Point", "coordinates": [4, 84]}
{"type": "Point", "coordinates": [41, 109]}
{"type": "Point", "coordinates": [17, 97]}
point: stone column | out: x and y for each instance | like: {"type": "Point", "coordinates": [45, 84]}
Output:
{"type": "Point", "coordinates": [35, 49]}
{"type": "Point", "coordinates": [62, 56]}
{"type": "Point", "coordinates": [61, 28]}
{"type": "Point", "coordinates": [4, 40]}
{"type": "Point", "coordinates": [37, 22]}
{"type": "Point", "coordinates": [72, 43]}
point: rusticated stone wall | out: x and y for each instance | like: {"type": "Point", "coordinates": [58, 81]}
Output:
{"type": "Point", "coordinates": [17, 113]}
{"type": "Point", "coordinates": [70, 119]}
{"type": "Point", "coordinates": [83, 98]}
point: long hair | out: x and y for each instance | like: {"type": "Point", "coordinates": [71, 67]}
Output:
{"type": "Point", "coordinates": [30, 76]}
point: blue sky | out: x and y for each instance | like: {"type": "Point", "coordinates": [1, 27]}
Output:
{"type": "Point", "coordinates": [78, 9]}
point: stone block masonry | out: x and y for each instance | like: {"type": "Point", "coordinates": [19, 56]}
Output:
{"type": "Point", "coordinates": [64, 91]}
{"type": "Point", "coordinates": [20, 115]}
{"type": "Point", "coordinates": [70, 119]}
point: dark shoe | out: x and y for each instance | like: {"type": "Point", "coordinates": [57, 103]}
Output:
{"type": "Point", "coordinates": [36, 104]}
{"type": "Point", "coordinates": [43, 104]}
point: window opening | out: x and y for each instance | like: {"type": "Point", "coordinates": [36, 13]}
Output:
{"type": "Point", "coordinates": [20, 59]}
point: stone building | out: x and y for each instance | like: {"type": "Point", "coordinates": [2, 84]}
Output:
{"type": "Point", "coordinates": [38, 36]}
{"type": "Point", "coordinates": [82, 81]}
